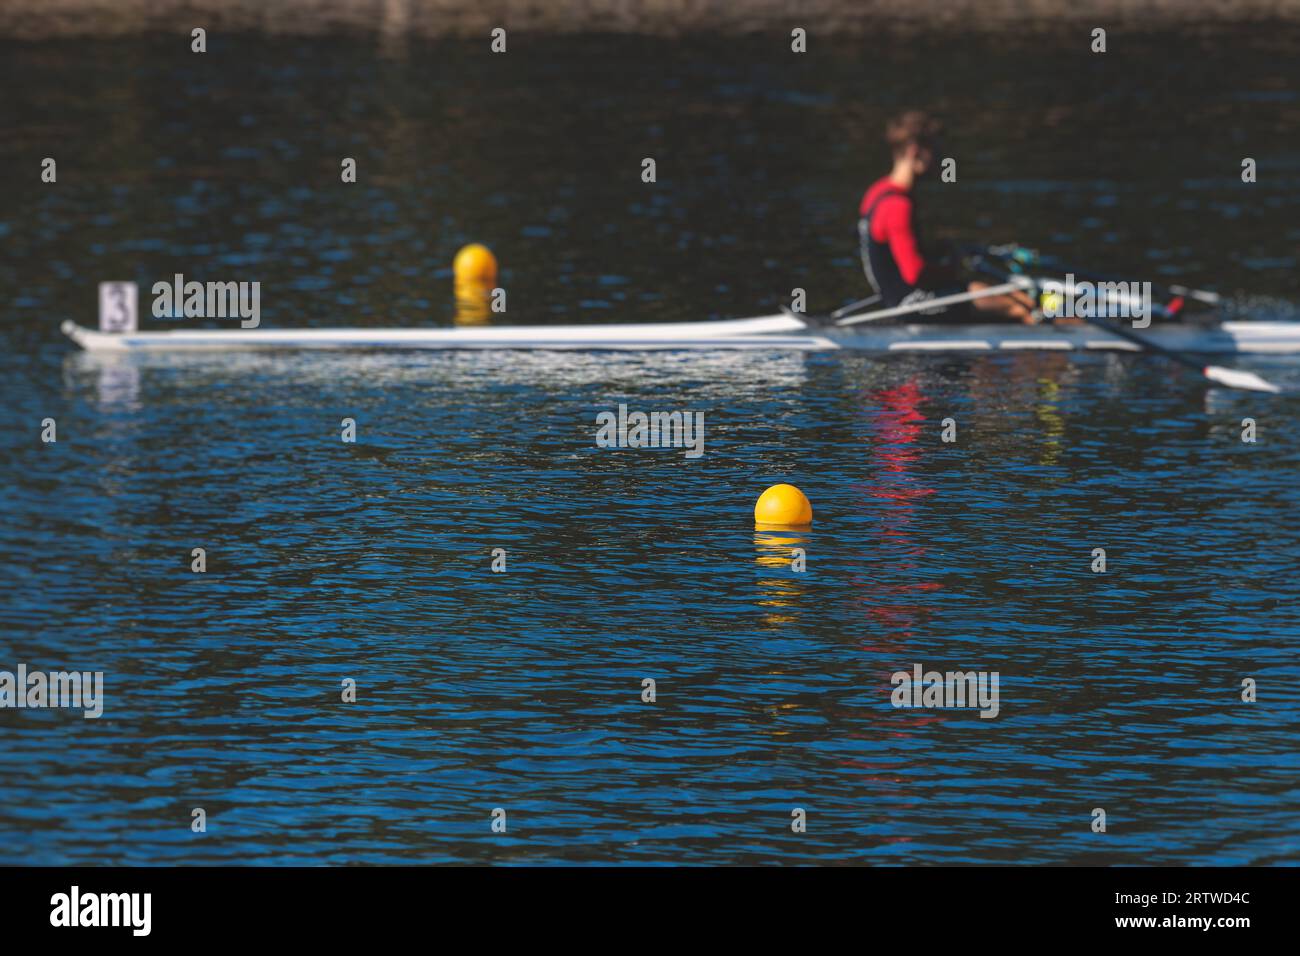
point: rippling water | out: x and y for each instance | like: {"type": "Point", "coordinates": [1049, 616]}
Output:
{"type": "Point", "coordinates": [522, 690]}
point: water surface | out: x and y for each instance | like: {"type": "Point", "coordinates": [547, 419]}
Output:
{"type": "Point", "coordinates": [371, 561]}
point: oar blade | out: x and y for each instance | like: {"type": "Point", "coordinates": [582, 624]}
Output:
{"type": "Point", "coordinates": [1235, 378]}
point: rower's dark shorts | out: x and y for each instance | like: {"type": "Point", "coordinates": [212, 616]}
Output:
{"type": "Point", "coordinates": [958, 312]}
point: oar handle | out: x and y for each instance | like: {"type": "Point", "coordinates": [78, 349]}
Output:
{"type": "Point", "coordinates": [1023, 257]}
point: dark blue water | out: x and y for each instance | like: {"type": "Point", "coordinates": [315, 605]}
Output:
{"type": "Point", "coordinates": [522, 690]}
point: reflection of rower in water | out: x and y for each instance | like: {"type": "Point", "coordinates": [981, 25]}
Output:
{"type": "Point", "coordinates": [891, 252]}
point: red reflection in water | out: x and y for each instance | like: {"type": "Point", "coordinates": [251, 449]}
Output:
{"type": "Point", "coordinates": [894, 449]}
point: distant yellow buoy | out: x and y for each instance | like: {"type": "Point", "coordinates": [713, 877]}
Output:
{"type": "Point", "coordinates": [783, 505]}
{"type": "Point", "coordinates": [475, 265]}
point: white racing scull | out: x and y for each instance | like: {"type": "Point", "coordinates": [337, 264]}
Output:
{"type": "Point", "coordinates": [790, 331]}
{"type": "Point", "coordinates": [774, 332]}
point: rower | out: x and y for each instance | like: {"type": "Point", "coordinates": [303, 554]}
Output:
{"type": "Point", "coordinates": [887, 234]}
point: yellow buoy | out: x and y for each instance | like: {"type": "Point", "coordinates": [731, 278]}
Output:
{"type": "Point", "coordinates": [783, 505]}
{"type": "Point", "coordinates": [475, 265]}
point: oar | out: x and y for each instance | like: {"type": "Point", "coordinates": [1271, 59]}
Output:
{"type": "Point", "coordinates": [823, 320]}
{"type": "Point", "coordinates": [1016, 285]}
{"type": "Point", "coordinates": [1200, 295]}
{"type": "Point", "coordinates": [1010, 252]}
{"type": "Point", "coordinates": [854, 306]}
{"type": "Point", "coordinates": [1233, 378]}
{"type": "Point", "coordinates": [836, 318]}
{"type": "Point", "coordinates": [1177, 291]}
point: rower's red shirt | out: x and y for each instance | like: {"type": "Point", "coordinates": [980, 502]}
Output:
{"type": "Point", "coordinates": [892, 225]}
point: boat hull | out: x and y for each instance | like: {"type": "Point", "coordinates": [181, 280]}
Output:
{"type": "Point", "coordinates": [777, 332]}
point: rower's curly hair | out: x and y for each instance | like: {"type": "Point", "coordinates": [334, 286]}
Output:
{"type": "Point", "coordinates": [913, 127]}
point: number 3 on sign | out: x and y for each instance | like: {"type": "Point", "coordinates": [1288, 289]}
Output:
{"type": "Point", "coordinates": [117, 306]}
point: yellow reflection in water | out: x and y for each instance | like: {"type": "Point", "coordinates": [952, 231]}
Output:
{"type": "Point", "coordinates": [473, 301]}
{"type": "Point", "coordinates": [1048, 415]}
{"type": "Point", "coordinates": [775, 549]}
